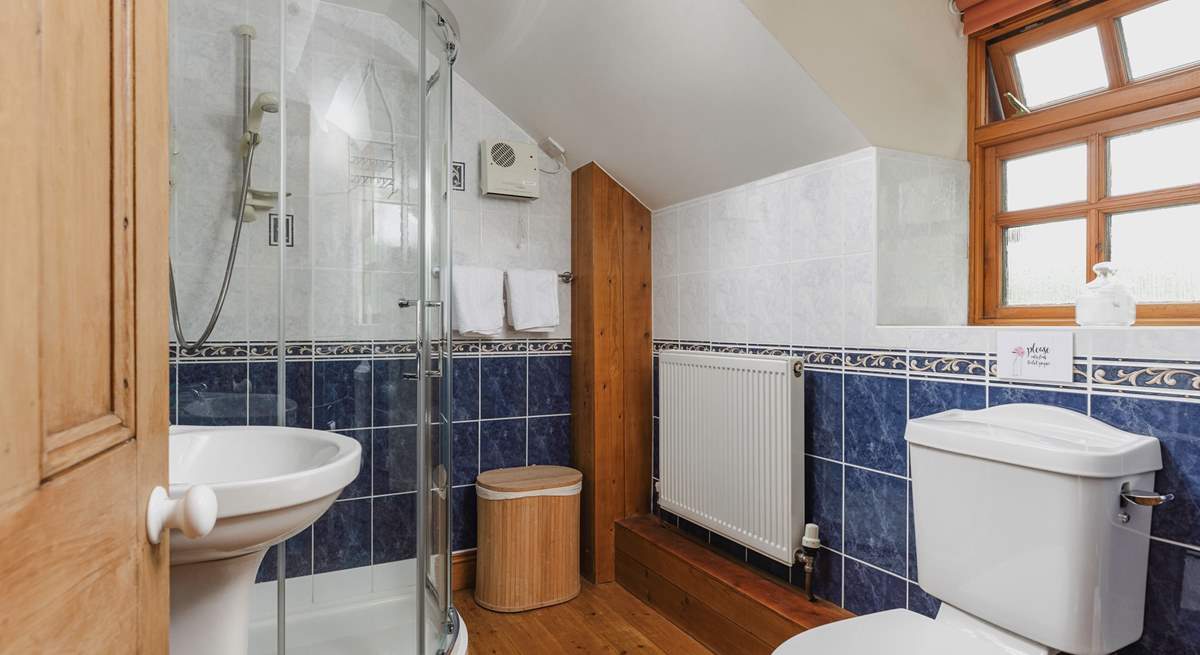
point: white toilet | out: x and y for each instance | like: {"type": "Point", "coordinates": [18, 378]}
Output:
{"type": "Point", "coordinates": [1030, 528]}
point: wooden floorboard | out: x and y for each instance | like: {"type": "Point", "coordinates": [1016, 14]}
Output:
{"type": "Point", "coordinates": [602, 619]}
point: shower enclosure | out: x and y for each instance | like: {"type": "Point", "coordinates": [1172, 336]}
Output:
{"type": "Point", "coordinates": [310, 249]}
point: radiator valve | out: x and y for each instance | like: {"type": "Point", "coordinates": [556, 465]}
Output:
{"type": "Point", "coordinates": [810, 547]}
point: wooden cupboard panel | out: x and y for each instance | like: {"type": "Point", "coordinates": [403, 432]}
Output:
{"type": "Point", "coordinates": [20, 455]}
{"type": "Point", "coordinates": [69, 566]}
{"type": "Point", "coordinates": [637, 351]}
{"type": "Point", "coordinates": [611, 359]}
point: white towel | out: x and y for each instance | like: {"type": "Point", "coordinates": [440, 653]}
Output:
{"type": "Point", "coordinates": [532, 300]}
{"type": "Point", "coordinates": [478, 301]}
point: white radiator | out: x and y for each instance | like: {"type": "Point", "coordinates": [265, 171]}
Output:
{"type": "Point", "coordinates": [731, 430]}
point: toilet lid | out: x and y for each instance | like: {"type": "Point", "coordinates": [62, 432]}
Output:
{"type": "Point", "coordinates": [894, 632]}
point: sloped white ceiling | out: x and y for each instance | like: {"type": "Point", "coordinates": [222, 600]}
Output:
{"type": "Point", "coordinates": [897, 68]}
{"type": "Point", "coordinates": [675, 98]}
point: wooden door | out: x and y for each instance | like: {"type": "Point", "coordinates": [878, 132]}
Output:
{"type": "Point", "coordinates": [83, 325]}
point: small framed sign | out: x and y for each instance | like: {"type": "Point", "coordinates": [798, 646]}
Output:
{"type": "Point", "coordinates": [458, 176]}
{"type": "Point", "coordinates": [1040, 355]}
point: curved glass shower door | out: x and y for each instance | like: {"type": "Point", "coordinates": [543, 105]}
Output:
{"type": "Point", "coordinates": [337, 311]}
{"type": "Point", "coordinates": [438, 49]}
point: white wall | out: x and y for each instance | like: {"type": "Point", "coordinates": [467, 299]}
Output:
{"type": "Point", "coordinates": [505, 233]}
{"type": "Point", "coordinates": [816, 256]}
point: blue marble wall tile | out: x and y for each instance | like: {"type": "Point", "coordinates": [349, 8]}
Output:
{"type": "Point", "coordinates": [212, 393]}
{"type": "Point", "coordinates": [342, 536]}
{"type": "Point", "coordinates": [550, 440]}
{"type": "Point", "coordinates": [875, 521]}
{"type": "Point", "coordinates": [767, 565]}
{"type": "Point", "coordinates": [341, 394]}
{"type": "Point", "coordinates": [655, 388]}
{"type": "Point", "coordinates": [927, 397]}
{"type": "Point", "coordinates": [549, 385]}
{"type": "Point", "coordinates": [299, 558]}
{"type": "Point", "coordinates": [655, 449]}
{"type": "Point", "coordinates": [502, 387]}
{"type": "Point", "coordinates": [871, 590]}
{"type": "Point", "coordinates": [462, 518]}
{"type": "Point", "coordinates": [1177, 427]}
{"type": "Point", "coordinates": [827, 578]}
{"type": "Point", "coordinates": [693, 529]}
{"type": "Point", "coordinates": [912, 538]}
{"type": "Point", "coordinates": [395, 460]}
{"type": "Point", "coordinates": [264, 383]}
{"type": "Point", "coordinates": [823, 414]}
{"type": "Point", "coordinates": [360, 486]}
{"type": "Point", "coordinates": [394, 536]}
{"type": "Point", "coordinates": [395, 400]}
{"type": "Point", "coordinates": [823, 498]}
{"type": "Point", "coordinates": [466, 388]}
{"type": "Point", "coordinates": [1003, 395]}
{"type": "Point", "coordinates": [1172, 603]}
{"type": "Point", "coordinates": [875, 418]}
{"type": "Point", "coordinates": [921, 602]}
{"type": "Point", "coordinates": [501, 444]}
{"type": "Point", "coordinates": [465, 452]}
{"type": "Point", "coordinates": [172, 396]}
{"type": "Point", "coordinates": [728, 546]}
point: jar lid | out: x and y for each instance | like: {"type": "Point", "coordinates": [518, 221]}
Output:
{"type": "Point", "coordinates": [528, 478]}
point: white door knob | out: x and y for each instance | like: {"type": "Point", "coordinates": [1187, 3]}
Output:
{"type": "Point", "coordinates": [194, 514]}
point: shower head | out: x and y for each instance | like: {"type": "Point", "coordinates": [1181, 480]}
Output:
{"type": "Point", "coordinates": [265, 103]}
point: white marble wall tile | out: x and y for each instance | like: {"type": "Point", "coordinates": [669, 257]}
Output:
{"type": "Point", "coordinates": [693, 237]}
{"type": "Point", "coordinates": [768, 304]}
{"type": "Point", "coordinates": [666, 307]}
{"type": "Point", "coordinates": [694, 307]}
{"type": "Point", "coordinates": [770, 213]}
{"type": "Point", "coordinates": [728, 236]}
{"type": "Point", "coordinates": [817, 302]}
{"type": "Point", "coordinates": [727, 302]}
{"type": "Point", "coordinates": [664, 236]}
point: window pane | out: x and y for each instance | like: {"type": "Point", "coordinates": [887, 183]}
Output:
{"type": "Point", "coordinates": [1155, 252]}
{"type": "Point", "coordinates": [1066, 67]}
{"type": "Point", "coordinates": [1161, 37]}
{"type": "Point", "coordinates": [1157, 158]}
{"type": "Point", "coordinates": [1044, 264]}
{"type": "Point", "coordinates": [1048, 178]}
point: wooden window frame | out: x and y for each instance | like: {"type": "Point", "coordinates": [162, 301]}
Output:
{"type": "Point", "coordinates": [1126, 106]}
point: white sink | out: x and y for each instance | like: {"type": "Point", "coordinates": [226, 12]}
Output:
{"type": "Point", "coordinates": [270, 483]}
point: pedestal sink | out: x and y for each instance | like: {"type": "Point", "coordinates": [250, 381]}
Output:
{"type": "Point", "coordinates": [270, 483]}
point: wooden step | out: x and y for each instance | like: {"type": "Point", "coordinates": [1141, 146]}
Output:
{"type": "Point", "coordinates": [724, 604]}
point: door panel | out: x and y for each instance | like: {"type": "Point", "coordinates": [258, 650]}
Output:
{"type": "Point", "coordinates": [83, 196]}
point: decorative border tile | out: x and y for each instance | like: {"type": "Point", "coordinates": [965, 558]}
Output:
{"type": "Point", "coordinates": [949, 364]}
{"type": "Point", "coordinates": [225, 350]}
{"type": "Point", "coordinates": [820, 359]}
{"type": "Point", "coordinates": [550, 346]}
{"type": "Point", "coordinates": [1182, 378]}
{"type": "Point", "coordinates": [341, 349]}
{"type": "Point", "coordinates": [393, 348]}
{"type": "Point", "coordinates": [879, 361]}
{"type": "Point", "coordinates": [503, 347]}
{"type": "Point", "coordinates": [301, 350]}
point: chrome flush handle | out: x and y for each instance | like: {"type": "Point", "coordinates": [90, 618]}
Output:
{"type": "Point", "coordinates": [1144, 498]}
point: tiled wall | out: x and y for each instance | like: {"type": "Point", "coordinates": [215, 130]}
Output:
{"type": "Point", "coordinates": [791, 266]}
{"type": "Point", "coordinates": [511, 408]}
{"type": "Point", "coordinates": [354, 254]}
{"type": "Point", "coordinates": [857, 478]}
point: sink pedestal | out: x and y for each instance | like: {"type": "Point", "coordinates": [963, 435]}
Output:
{"type": "Point", "coordinates": [210, 605]}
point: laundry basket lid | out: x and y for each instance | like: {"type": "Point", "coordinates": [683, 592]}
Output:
{"type": "Point", "coordinates": [528, 480]}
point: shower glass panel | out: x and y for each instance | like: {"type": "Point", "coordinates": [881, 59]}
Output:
{"type": "Point", "coordinates": [337, 311]}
